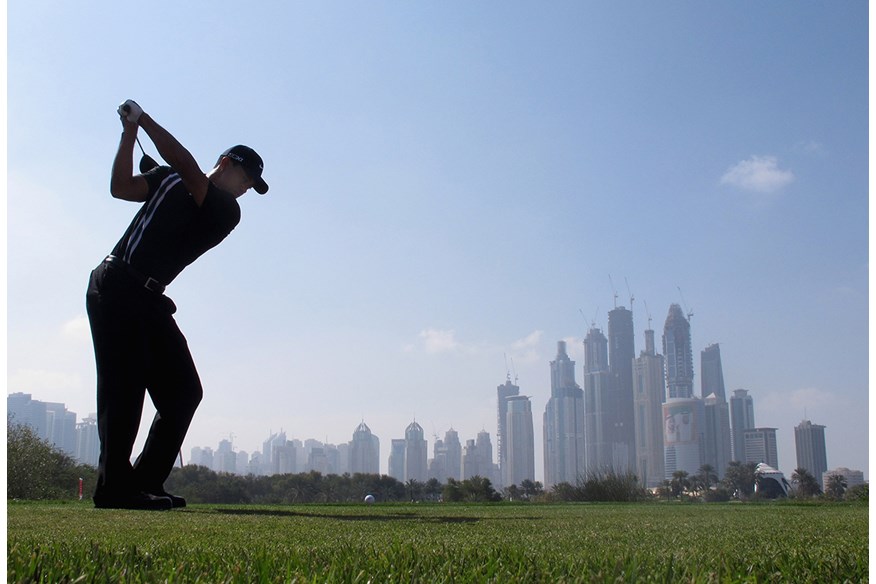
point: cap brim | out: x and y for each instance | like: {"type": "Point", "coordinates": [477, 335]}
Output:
{"type": "Point", "coordinates": [260, 186]}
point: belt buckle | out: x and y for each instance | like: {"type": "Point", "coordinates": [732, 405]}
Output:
{"type": "Point", "coordinates": [153, 285]}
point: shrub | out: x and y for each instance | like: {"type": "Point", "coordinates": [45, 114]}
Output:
{"type": "Point", "coordinates": [38, 470]}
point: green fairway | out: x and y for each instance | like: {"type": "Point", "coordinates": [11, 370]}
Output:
{"type": "Point", "coordinates": [65, 542]}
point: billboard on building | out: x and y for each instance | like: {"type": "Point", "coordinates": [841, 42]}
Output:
{"type": "Point", "coordinates": [680, 422]}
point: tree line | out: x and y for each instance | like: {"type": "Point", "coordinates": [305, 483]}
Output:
{"type": "Point", "coordinates": [38, 470]}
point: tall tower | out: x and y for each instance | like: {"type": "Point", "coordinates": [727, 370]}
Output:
{"type": "Point", "coordinates": [563, 423]}
{"type": "Point", "coordinates": [621, 354]}
{"type": "Point", "coordinates": [454, 454]}
{"type": "Point", "coordinates": [485, 457]}
{"type": "Point", "coordinates": [717, 423]}
{"type": "Point", "coordinates": [649, 385]}
{"type": "Point", "coordinates": [811, 449]}
{"type": "Point", "coordinates": [416, 454]}
{"type": "Point", "coordinates": [741, 419]}
{"type": "Point", "coordinates": [520, 453]}
{"type": "Point", "coordinates": [683, 414]}
{"type": "Point", "coordinates": [711, 372]}
{"type": "Point", "coordinates": [679, 359]}
{"type": "Point", "coordinates": [600, 412]}
{"type": "Point", "coordinates": [761, 446]}
{"type": "Point", "coordinates": [364, 451]}
{"type": "Point", "coordinates": [717, 434]}
{"type": "Point", "coordinates": [504, 392]}
{"type": "Point", "coordinates": [397, 459]}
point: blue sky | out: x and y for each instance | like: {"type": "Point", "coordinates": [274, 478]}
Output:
{"type": "Point", "coordinates": [454, 183]}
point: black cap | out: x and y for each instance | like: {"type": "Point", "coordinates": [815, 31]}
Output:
{"type": "Point", "coordinates": [251, 163]}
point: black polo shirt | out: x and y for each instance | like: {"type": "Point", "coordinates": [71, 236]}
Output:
{"type": "Point", "coordinates": [171, 231]}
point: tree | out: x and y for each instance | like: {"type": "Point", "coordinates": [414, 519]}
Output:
{"type": "Point", "coordinates": [739, 478]}
{"type": "Point", "coordinates": [479, 489]}
{"type": "Point", "coordinates": [530, 489]}
{"type": "Point", "coordinates": [707, 476]}
{"type": "Point", "coordinates": [805, 483]}
{"type": "Point", "coordinates": [680, 483]}
{"type": "Point", "coordinates": [858, 493]}
{"type": "Point", "coordinates": [415, 489]}
{"type": "Point", "coordinates": [452, 491]}
{"type": "Point", "coordinates": [37, 470]}
{"type": "Point", "coordinates": [433, 488]}
{"type": "Point", "coordinates": [836, 486]}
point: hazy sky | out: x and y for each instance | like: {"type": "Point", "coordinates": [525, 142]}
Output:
{"type": "Point", "coordinates": [452, 183]}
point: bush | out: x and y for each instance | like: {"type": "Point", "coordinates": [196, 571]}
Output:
{"type": "Point", "coordinates": [38, 470]}
{"type": "Point", "coordinates": [858, 493]}
{"type": "Point", "coordinates": [717, 495]}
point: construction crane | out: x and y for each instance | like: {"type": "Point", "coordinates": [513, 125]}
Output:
{"type": "Point", "coordinates": [591, 323]}
{"type": "Point", "coordinates": [613, 290]}
{"type": "Point", "coordinates": [630, 293]}
{"type": "Point", "coordinates": [684, 304]}
{"type": "Point", "coordinates": [648, 312]}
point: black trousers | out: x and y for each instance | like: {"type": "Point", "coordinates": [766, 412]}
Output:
{"type": "Point", "coordinates": [138, 347]}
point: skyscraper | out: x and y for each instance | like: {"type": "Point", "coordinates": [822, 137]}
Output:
{"type": "Point", "coordinates": [811, 449]}
{"type": "Point", "coordinates": [563, 423]}
{"type": "Point", "coordinates": [717, 434]}
{"type": "Point", "coordinates": [741, 419]}
{"type": "Point", "coordinates": [397, 459]}
{"type": "Point", "coordinates": [477, 458]}
{"type": "Point", "coordinates": [520, 445]}
{"type": "Point", "coordinates": [600, 411]}
{"type": "Point", "coordinates": [87, 441]}
{"type": "Point", "coordinates": [364, 451]}
{"type": "Point", "coordinates": [717, 422]}
{"type": "Point", "coordinates": [488, 469]}
{"type": "Point", "coordinates": [679, 359]}
{"type": "Point", "coordinates": [503, 392]}
{"type": "Point", "coordinates": [447, 457]}
{"type": "Point", "coordinates": [711, 372]}
{"type": "Point", "coordinates": [621, 353]}
{"type": "Point", "coordinates": [761, 446]}
{"type": "Point", "coordinates": [416, 453]}
{"type": "Point", "coordinates": [683, 414]}
{"type": "Point", "coordinates": [650, 393]}
{"type": "Point", "coordinates": [683, 441]}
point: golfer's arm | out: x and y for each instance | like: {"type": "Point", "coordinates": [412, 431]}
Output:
{"type": "Point", "coordinates": [123, 184]}
{"type": "Point", "coordinates": [177, 157]}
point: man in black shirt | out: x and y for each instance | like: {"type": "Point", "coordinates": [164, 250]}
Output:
{"type": "Point", "coordinates": [137, 344]}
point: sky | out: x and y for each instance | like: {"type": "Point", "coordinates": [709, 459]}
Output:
{"type": "Point", "coordinates": [455, 187]}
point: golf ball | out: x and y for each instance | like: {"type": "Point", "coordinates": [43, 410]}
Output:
{"type": "Point", "coordinates": [369, 499]}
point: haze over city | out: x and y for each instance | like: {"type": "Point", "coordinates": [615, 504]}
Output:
{"type": "Point", "coordinates": [455, 189]}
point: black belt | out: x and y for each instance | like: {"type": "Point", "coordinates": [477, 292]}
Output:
{"type": "Point", "coordinates": [147, 282]}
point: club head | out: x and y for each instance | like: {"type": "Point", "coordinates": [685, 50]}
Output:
{"type": "Point", "coordinates": [147, 164]}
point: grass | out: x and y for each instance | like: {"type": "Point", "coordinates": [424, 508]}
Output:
{"type": "Point", "coordinates": [72, 542]}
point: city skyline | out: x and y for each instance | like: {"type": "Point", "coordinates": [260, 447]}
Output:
{"type": "Point", "coordinates": [757, 442]}
{"type": "Point", "coordinates": [451, 184]}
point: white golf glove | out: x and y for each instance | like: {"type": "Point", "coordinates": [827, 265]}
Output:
{"type": "Point", "coordinates": [130, 111]}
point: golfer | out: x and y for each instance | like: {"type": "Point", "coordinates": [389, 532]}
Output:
{"type": "Point", "coordinates": [138, 346]}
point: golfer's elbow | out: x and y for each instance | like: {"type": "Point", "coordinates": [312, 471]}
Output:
{"type": "Point", "coordinates": [129, 189]}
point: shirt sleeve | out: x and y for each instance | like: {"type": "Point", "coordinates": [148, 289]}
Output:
{"type": "Point", "coordinates": [154, 178]}
{"type": "Point", "coordinates": [221, 209]}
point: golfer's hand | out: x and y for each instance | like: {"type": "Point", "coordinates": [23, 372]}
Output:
{"type": "Point", "coordinates": [130, 111]}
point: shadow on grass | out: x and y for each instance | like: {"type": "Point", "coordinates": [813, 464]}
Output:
{"type": "Point", "coordinates": [368, 517]}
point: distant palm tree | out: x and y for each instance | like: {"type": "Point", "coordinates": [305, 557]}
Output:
{"type": "Point", "coordinates": [836, 486]}
{"type": "Point", "coordinates": [807, 485]}
{"type": "Point", "coordinates": [680, 483]}
{"type": "Point", "coordinates": [707, 476]}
